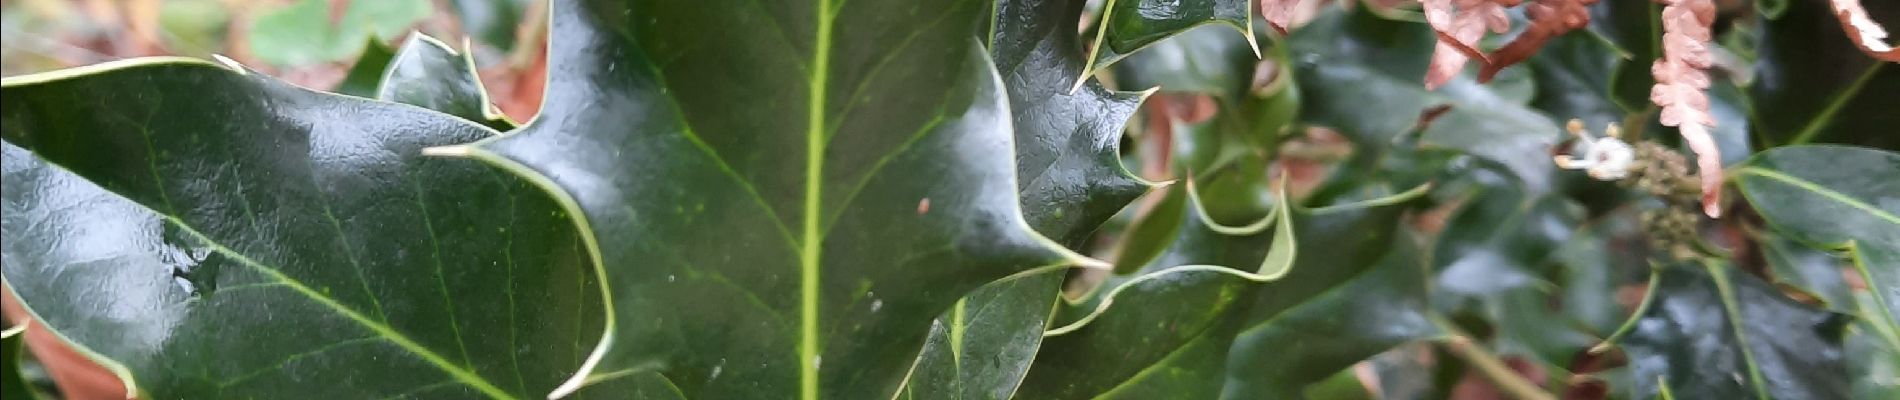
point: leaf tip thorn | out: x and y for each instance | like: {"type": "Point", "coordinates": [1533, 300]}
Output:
{"type": "Point", "coordinates": [447, 151]}
{"type": "Point", "coordinates": [229, 63]}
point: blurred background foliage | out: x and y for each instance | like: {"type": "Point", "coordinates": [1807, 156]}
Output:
{"type": "Point", "coordinates": [311, 43]}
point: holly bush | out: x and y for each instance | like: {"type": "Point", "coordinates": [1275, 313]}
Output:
{"type": "Point", "coordinates": [1033, 199]}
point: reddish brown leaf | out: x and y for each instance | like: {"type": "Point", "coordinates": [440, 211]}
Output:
{"type": "Point", "coordinates": [1460, 24]}
{"type": "Point", "coordinates": [1680, 80]}
{"type": "Point", "coordinates": [1279, 13]}
{"type": "Point", "coordinates": [76, 376]}
{"type": "Point", "coordinates": [1864, 31]}
{"type": "Point", "coordinates": [1549, 19]}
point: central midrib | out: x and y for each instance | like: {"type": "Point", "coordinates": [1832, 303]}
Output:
{"type": "Point", "coordinates": [814, 173]}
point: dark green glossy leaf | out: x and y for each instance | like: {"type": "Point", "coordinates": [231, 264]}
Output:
{"type": "Point", "coordinates": [1175, 333]}
{"type": "Point", "coordinates": [1127, 26]}
{"type": "Point", "coordinates": [982, 348]}
{"type": "Point", "coordinates": [1635, 28]}
{"type": "Point", "coordinates": [1873, 362]}
{"type": "Point", "coordinates": [1813, 271]}
{"type": "Point", "coordinates": [1378, 309]}
{"type": "Point", "coordinates": [1501, 240]}
{"type": "Point", "coordinates": [1070, 179]}
{"type": "Point", "coordinates": [1716, 333]}
{"type": "Point", "coordinates": [1836, 198]}
{"type": "Point", "coordinates": [1495, 259]}
{"type": "Point", "coordinates": [1235, 194]}
{"type": "Point", "coordinates": [1153, 232]}
{"type": "Point", "coordinates": [782, 195]}
{"type": "Point", "coordinates": [367, 73]}
{"type": "Point", "coordinates": [1603, 257]}
{"type": "Point", "coordinates": [428, 74]}
{"type": "Point", "coordinates": [178, 218]}
{"type": "Point", "coordinates": [1360, 74]}
{"type": "Point", "coordinates": [1071, 182]}
{"type": "Point", "coordinates": [1573, 79]}
{"type": "Point", "coordinates": [1068, 142]}
{"type": "Point", "coordinates": [1208, 59]}
{"type": "Point", "coordinates": [1729, 105]}
{"type": "Point", "coordinates": [1813, 86]}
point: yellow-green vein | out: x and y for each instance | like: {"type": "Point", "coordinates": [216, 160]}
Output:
{"type": "Point", "coordinates": [468, 377]}
{"type": "Point", "coordinates": [814, 173]}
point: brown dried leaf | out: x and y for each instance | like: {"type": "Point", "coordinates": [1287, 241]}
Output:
{"type": "Point", "coordinates": [1279, 13]}
{"type": "Point", "coordinates": [1460, 24]}
{"type": "Point", "coordinates": [1864, 31]}
{"type": "Point", "coordinates": [1680, 81]}
{"type": "Point", "coordinates": [1549, 19]}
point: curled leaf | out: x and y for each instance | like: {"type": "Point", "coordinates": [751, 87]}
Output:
{"type": "Point", "coordinates": [1279, 13]}
{"type": "Point", "coordinates": [1680, 81]}
{"type": "Point", "coordinates": [1862, 30]}
{"type": "Point", "coordinates": [1461, 24]}
{"type": "Point", "coordinates": [1549, 19]}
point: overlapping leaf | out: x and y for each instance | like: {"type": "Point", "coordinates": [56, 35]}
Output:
{"type": "Point", "coordinates": [1127, 26]}
{"type": "Point", "coordinates": [1837, 198]}
{"type": "Point", "coordinates": [1353, 61]}
{"type": "Point", "coordinates": [1714, 333]}
{"type": "Point", "coordinates": [1187, 328]}
{"type": "Point", "coordinates": [781, 196]}
{"type": "Point", "coordinates": [367, 71]}
{"type": "Point", "coordinates": [1071, 182]}
{"type": "Point", "coordinates": [429, 74]}
{"type": "Point", "coordinates": [176, 218]}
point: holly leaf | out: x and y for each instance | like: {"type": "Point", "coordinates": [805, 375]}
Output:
{"type": "Point", "coordinates": [1207, 59]}
{"type": "Point", "coordinates": [1836, 198]}
{"type": "Point", "coordinates": [1068, 143]}
{"type": "Point", "coordinates": [1714, 333]}
{"type": "Point", "coordinates": [1573, 73]}
{"type": "Point", "coordinates": [1072, 181]}
{"type": "Point", "coordinates": [1128, 26]}
{"type": "Point", "coordinates": [428, 74]}
{"type": "Point", "coordinates": [781, 214]}
{"type": "Point", "coordinates": [1191, 322]}
{"type": "Point", "coordinates": [1813, 86]}
{"type": "Point", "coordinates": [983, 346]}
{"type": "Point", "coordinates": [367, 73]}
{"type": "Point", "coordinates": [1634, 28]}
{"type": "Point", "coordinates": [174, 218]}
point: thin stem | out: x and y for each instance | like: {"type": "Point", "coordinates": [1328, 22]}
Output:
{"type": "Point", "coordinates": [1489, 365]}
{"type": "Point", "coordinates": [1649, 295]}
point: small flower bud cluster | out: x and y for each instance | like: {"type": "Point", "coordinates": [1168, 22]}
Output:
{"type": "Point", "coordinates": [1647, 167]}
